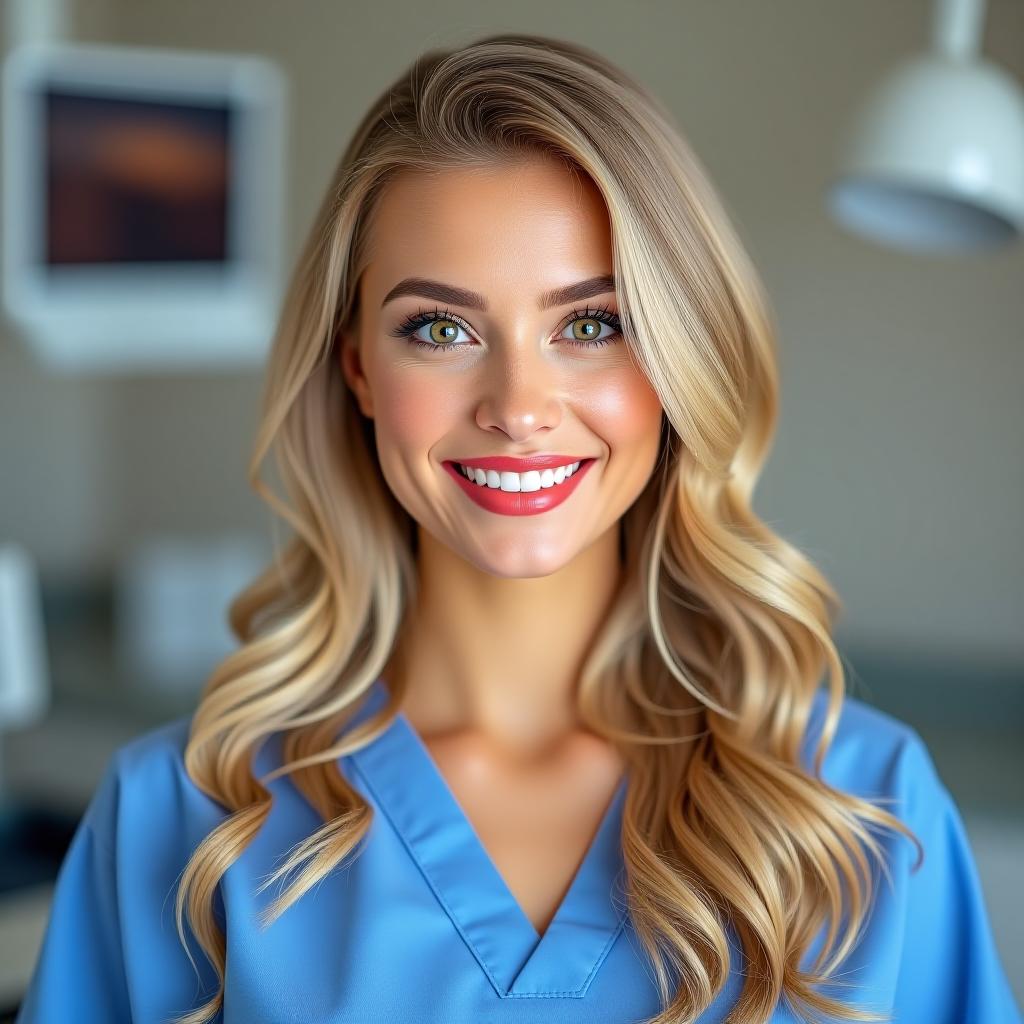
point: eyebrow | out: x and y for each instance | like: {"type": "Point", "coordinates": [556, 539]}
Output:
{"type": "Point", "coordinates": [427, 289]}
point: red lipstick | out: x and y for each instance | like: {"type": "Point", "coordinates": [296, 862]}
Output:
{"type": "Point", "coordinates": [518, 503]}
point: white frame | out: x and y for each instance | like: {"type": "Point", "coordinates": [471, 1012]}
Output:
{"type": "Point", "coordinates": [133, 317]}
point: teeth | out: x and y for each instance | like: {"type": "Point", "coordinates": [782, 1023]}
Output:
{"type": "Point", "coordinates": [534, 480]}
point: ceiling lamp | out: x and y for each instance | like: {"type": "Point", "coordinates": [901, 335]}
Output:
{"type": "Point", "coordinates": [935, 159]}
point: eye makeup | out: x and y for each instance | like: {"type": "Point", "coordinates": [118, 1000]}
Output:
{"type": "Point", "coordinates": [407, 328]}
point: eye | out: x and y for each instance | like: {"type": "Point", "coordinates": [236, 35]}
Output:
{"type": "Point", "coordinates": [585, 327]}
{"type": "Point", "coordinates": [439, 330]}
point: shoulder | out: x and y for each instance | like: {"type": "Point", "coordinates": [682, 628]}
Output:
{"type": "Point", "coordinates": [875, 754]}
{"type": "Point", "coordinates": [928, 948]}
{"type": "Point", "coordinates": [145, 788]}
{"type": "Point", "coordinates": [163, 744]}
{"type": "Point", "coordinates": [146, 785]}
{"type": "Point", "coordinates": [156, 756]}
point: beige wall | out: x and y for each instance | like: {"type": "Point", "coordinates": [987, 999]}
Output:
{"type": "Point", "coordinates": [898, 463]}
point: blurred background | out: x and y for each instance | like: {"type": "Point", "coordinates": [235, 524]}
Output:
{"type": "Point", "coordinates": [160, 170]}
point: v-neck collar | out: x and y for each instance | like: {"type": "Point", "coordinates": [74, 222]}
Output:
{"type": "Point", "coordinates": [407, 784]}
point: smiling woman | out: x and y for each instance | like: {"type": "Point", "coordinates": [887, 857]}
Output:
{"type": "Point", "coordinates": [513, 369]}
{"type": "Point", "coordinates": [532, 701]}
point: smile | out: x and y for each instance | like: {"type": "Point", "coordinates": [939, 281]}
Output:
{"type": "Point", "coordinates": [532, 480]}
{"type": "Point", "coordinates": [523, 494]}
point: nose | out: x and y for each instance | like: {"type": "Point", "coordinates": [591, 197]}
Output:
{"type": "Point", "coordinates": [521, 393]}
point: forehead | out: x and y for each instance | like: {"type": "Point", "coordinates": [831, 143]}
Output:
{"type": "Point", "coordinates": [532, 224]}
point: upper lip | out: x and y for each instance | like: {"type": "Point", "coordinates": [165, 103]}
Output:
{"type": "Point", "coordinates": [509, 464]}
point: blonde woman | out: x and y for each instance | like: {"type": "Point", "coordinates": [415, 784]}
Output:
{"type": "Point", "coordinates": [526, 722]}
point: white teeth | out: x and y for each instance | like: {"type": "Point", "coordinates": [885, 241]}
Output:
{"type": "Point", "coordinates": [534, 480]}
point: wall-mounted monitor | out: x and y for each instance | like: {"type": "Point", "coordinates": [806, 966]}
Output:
{"type": "Point", "coordinates": [143, 206]}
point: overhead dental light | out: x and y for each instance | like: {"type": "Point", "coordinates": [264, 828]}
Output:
{"type": "Point", "coordinates": [935, 159]}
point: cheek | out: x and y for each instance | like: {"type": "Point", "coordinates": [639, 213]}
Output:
{"type": "Point", "coordinates": [628, 411]}
{"type": "Point", "coordinates": [412, 409]}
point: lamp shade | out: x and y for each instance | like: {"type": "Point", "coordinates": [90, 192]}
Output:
{"type": "Point", "coordinates": [935, 158]}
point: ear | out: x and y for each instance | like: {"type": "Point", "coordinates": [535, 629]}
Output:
{"type": "Point", "coordinates": [352, 369]}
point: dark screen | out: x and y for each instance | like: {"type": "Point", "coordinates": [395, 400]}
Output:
{"type": "Point", "coordinates": [135, 181]}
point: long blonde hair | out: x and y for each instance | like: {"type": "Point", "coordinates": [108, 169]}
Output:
{"type": "Point", "coordinates": [713, 602]}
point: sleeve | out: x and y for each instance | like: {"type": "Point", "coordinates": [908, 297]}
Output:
{"type": "Point", "coordinates": [949, 969]}
{"type": "Point", "coordinates": [79, 974]}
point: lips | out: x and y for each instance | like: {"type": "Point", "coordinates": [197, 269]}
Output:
{"type": "Point", "coordinates": [510, 464]}
{"type": "Point", "coordinates": [517, 503]}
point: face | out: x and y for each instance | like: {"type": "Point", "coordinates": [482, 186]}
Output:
{"type": "Point", "coordinates": [487, 334]}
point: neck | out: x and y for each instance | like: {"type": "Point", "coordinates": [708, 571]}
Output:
{"type": "Point", "coordinates": [496, 657]}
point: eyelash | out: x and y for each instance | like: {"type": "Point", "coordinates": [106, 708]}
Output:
{"type": "Point", "coordinates": [413, 323]}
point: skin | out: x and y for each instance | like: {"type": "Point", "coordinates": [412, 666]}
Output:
{"type": "Point", "coordinates": [508, 605]}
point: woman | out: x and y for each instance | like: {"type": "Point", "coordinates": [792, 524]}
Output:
{"type": "Point", "coordinates": [529, 708]}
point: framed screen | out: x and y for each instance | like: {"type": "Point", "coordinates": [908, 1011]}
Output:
{"type": "Point", "coordinates": [142, 205]}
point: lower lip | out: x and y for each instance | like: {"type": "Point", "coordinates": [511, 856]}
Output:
{"type": "Point", "coordinates": [519, 503]}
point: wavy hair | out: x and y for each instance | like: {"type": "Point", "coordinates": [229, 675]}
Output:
{"type": "Point", "coordinates": [714, 606]}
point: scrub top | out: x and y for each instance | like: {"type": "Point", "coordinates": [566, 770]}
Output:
{"type": "Point", "coordinates": [420, 927]}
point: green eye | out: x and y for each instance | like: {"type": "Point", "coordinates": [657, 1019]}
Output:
{"type": "Point", "coordinates": [444, 329]}
{"type": "Point", "coordinates": [586, 328]}
{"type": "Point", "coordinates": [443, 332]}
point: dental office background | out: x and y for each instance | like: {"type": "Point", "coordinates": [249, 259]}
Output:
{"type": "Point", "coordinates": [160, 165]}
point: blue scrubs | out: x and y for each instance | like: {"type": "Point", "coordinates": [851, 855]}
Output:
{"type": "Point", "coordinates": [421, 927]}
